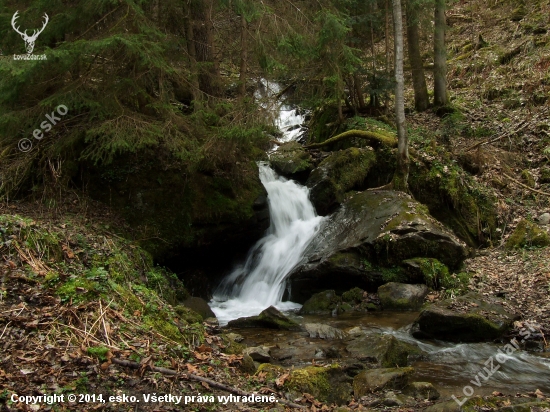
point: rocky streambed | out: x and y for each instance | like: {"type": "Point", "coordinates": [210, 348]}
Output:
{"type": "Point", "coordinates": [374, 357]}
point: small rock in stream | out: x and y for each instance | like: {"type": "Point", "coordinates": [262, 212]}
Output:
{"type": "Point", "coordinates": [318, 330]}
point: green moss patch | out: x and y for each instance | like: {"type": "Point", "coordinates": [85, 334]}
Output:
{"type": "Point", "coordinates": [527, 234]}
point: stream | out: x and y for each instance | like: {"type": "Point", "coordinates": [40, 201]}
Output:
{"type": "Point", "coordinates": [259, 282]}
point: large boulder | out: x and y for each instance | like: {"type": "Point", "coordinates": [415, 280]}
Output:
{"type": "Point", "coordinates": [468, 318]}
{"type": "Point", "coordinates": [269, 318]}
{"type": "Point", "coordinates": [371, 229]}
{"type": "Point", "coordinates": [381, 350]}
{"type": "Point", "coordinates": [339, 173]}
{"type": "Point", "coordinates": [292, 160]}
{"type": "Point", "coordinates": [401, 296]}
{"type": "Point", "coordinates": [373, 380]}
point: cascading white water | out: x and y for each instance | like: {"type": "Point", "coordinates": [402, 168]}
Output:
{"type": "Point", "coordinates": [260, 282]}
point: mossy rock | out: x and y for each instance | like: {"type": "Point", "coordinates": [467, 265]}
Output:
{"type": "Point", "coordinates": [382, 350]}
{"type": "Point", "coordinates": [528, 234]}
{"type": "Point", "coordinates": [353, 296]}
{"type": "Point", "coordinates": [327, 384]}
{"type": "Point", "coordinates": [468, 318]}
{"type": "Point", "coordinates": [434, 274]}
{"type": "Point", "coordinates": [231, 347]}
{"type": "Point", "coordinates": [456, 199]}
{"type": "Point", "coordinates": [322, 303]}
{"type": "Point", "coordinates": [270, 371]}
{"type": "Point", "coordinates": [292, 160]}
{"type": "Point", "coordinates": [339, 173]}
{"type": "Point", "coordinates": [381, 229]}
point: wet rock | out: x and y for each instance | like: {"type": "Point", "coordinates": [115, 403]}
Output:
{"type": "Point", "coordinates": [468, 318]}
{"type": "Point", "coordinates": [258, 353]}
{"type": "Point", "coordinates": [527, 234]}
{"type": "Point", "coordinates": [319, 330]}
{"type": "Point", "coordinates": [400, 296]}
{"type": "Point", "coordinates": [373, 380]}
{"type": "Point", "coordinates": [422, 391]}
{"type": "Point", "coordinates": [269, 318]}
{"type": "Point", "coordinates": [383, 350]}
{"type": "Point", "coordinates": [200, 306]}
{"type": "Point", "coordinates": [322, 303]}
{"type": "Point", "coordinates": [374, 228]}
{"type": "Point", "coordinates": [336, 175]}
{"type": "Point", "coordinates": [292, 160]}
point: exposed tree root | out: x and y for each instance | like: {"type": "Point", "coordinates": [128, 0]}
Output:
{"type": "Point", "coordinates": [372, 137]}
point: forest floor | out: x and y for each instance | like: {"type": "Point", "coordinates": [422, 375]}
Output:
{"type": "Point", "coordinates": [501, 86]}
{"type": "Point", "coordinates": [499, 56]}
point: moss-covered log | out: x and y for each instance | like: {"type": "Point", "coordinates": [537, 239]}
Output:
{"type": "Point", "coordinates": [372, 137]}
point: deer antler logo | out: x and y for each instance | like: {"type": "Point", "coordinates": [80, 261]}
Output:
{"type": "Point", "coordinates": [29, 40]}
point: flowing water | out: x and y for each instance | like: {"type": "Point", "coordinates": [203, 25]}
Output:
{"type": "Point", "coordinates": [260, 282]}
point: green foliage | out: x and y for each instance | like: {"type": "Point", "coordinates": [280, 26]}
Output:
{"type": "Point", "coordinates": [99, 352]}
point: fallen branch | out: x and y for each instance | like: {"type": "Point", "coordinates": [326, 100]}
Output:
{"type": "Point", "coordinates": [370, 136]}
{"type": "Point", "coordinates": [521, 126]}
{"type": "Point", "coordinates": [525, 186]}
{"type": "Point", "coordinates": [210, 382]}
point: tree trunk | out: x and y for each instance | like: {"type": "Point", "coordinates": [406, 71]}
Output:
{"type": "Point", "coordinates": [421, 99]}
{"type": "Point", "coordinates": [190, 39]}
{"type": "Point", "coordinates": [358, 91]}
{"type": "Point", "coordinates": [401, 175]}
{"type": "Point", "coordinates": [209, 81]}
{"type": "Point", "coordinates": [440, 55]}
{"type": "Point", "coordinates": [244, 53]}
{"type": "Point", "coordinates": [387, 28]}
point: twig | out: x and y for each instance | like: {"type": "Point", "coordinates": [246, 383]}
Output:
{"type": "Point", "coordinates": [103, 321]}
{"type": "Point", "coordinates": [210, 382]}
{"type": "Point", "coordinates": [90, 336]}
{"type": "Point", "coordinates": [4, 331]}
{"type": "Point", "coordinates": [525, 186]}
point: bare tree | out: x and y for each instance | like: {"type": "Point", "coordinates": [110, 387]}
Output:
{"type": "Point", "coordinates": [440, 55]}
{"type": "Point", "coordinates": [401, 175]}
{"type": "Point", "coordinates": [421, 99]}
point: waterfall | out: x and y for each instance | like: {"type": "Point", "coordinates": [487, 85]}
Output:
{"type": "Point", "coordinates": [260, 281]}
